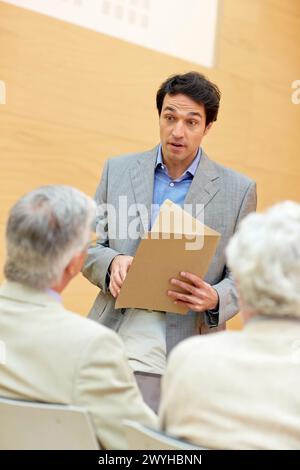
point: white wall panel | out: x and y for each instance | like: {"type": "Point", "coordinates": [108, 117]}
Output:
{"type": "Point", "coordinates": [181, 28]}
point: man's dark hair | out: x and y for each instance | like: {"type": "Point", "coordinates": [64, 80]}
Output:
{"type": "Point", "coordinates": [197, 87]}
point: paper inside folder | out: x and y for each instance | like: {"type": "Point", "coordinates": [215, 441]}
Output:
{"type": "Point", "coordinates": [177, 242]}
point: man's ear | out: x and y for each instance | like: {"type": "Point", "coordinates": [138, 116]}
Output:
{"type": "Point", "coordinates": [75, 265]}
{"type": "Point", "coordinates": [208, 127]}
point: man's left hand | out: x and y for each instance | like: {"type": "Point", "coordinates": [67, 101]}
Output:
{"type": "Point", "coordinates": [198, 295]}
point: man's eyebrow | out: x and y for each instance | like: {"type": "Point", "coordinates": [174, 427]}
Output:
{"type": "Point", "coordinates": [169, 108]}
{"type": "Point", "coordinates": [192, 113]}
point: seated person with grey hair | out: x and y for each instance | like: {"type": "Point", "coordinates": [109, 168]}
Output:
{"type": "Point", "coordinates": [240, 389]}
{"type": "Point", "coordinates": [54, 355]}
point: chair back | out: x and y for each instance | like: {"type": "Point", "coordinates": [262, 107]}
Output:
{"type": "Point", "coordinates": [40, 426]}
{"type": "Point", "coordinates": [140, 437]}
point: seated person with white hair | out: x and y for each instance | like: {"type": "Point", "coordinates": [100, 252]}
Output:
{"type": "Point", "coordinates": [240, 389]}
{"type": "Point", "coordinates": [54, 355]}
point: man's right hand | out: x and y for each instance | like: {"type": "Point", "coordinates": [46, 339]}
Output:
{"type": "Point", "coordinates": [118, 271]}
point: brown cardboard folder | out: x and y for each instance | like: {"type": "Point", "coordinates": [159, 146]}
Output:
{"type": "Point", "coordinates": [177, 242]}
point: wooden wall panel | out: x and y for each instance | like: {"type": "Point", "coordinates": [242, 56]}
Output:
{"type": "Point", "coordinates": [75, 97]}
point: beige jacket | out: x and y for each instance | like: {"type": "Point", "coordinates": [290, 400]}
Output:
{"type": "Point", "coordinates": [56, 356]}
{"type": "Point", "coordinates": [236, 390]}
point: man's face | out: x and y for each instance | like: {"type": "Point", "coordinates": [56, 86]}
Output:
{"type": "Point", "coordinates": [182, 128]}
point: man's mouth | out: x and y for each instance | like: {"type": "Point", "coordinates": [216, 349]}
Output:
{"type": "Point", "coordinates": [174, 144]}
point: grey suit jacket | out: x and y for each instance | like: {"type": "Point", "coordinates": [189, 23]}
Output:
{"type": "Point", "coordinates": [227, 197]}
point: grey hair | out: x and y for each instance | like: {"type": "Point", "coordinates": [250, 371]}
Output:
{"type": "Point", "coordinates": [45, 229]}
{"type": "Point", "coordinates": [264, 256]}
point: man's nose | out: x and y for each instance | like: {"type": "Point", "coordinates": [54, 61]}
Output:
{"type": "Point", "coordinates": [178, 130]}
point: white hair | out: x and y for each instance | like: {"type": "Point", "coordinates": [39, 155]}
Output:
{"type": "Point", "coordinates": [264, 257]}
{"type": "Point", "coordinates": [45, 229]}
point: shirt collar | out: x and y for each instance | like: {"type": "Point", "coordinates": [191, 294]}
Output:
{"type": "Point", "coordinates": [191, 169]}
{"type": "Point", "coordinates": [55, 295]}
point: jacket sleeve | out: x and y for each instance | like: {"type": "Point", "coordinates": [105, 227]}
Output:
{"type": "Point", "coordinates": [100, 256]}
{"type": "Point", "coordinates": [228, 300]}
{"type": "Point", "coordinates": [105, 386]}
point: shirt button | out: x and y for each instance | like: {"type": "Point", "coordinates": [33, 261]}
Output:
{"type": "Point", "coordinates": [172, 184]}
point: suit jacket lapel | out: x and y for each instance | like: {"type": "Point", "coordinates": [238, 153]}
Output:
{"type": "Point", "coordinates": [206, 183]}
{"type": "Point", "coordinates": [142, 178]}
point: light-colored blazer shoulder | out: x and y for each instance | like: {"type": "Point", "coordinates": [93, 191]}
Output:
{"type": "Point", "coordinates": [57, 356]}
{"type": "Point", "coordinates": [240, 387]}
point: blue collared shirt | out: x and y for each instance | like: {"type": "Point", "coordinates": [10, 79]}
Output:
{"type": "Point", "coordinates": [167, 188]}
{"type": "Point", "coordinates": [176, 190]}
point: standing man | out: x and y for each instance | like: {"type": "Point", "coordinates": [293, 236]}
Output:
{"type": "Point", "coordinates": [177, 169]}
